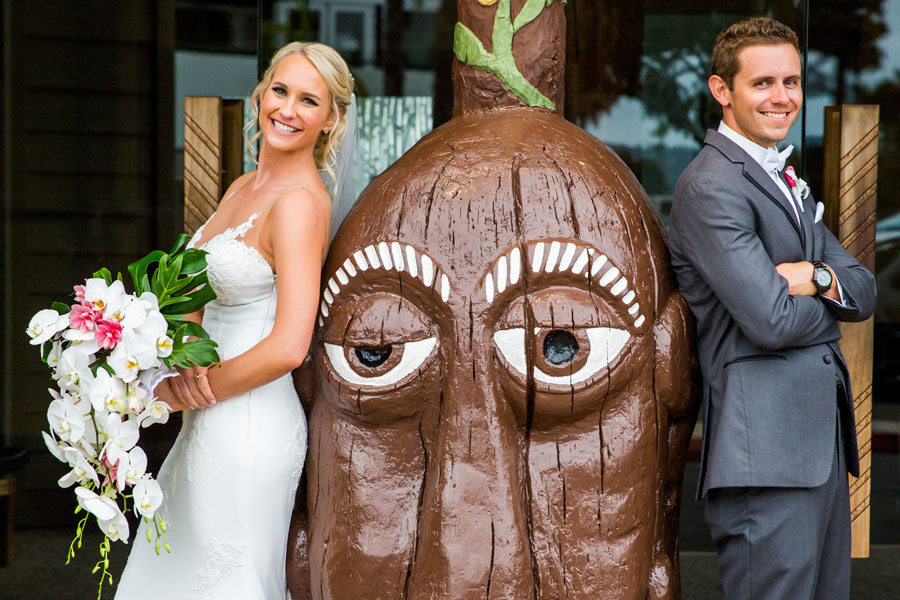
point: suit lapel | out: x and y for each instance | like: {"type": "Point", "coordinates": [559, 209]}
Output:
{"type": "Point", "coordinates": [755, 175]}
{"type": "Point", "coordinates": [806, 221]}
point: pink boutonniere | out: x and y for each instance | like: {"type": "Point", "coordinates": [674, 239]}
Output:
{"type": "Point", "coordinates": [799, 188]}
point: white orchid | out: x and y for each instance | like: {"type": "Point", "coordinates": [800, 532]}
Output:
{"type": "Point", "coordinates": [81, 472]}
{"type": "Point", "coordinates": [148, 497]}
{"type": "Point", "coordinates": [128, 311]}
{"type": "Point", "coordinates": [137, 466]}
{"type": "Point", "coordinates": [136, 397]}
{"type": "Point", "coordinates": [102, 295]}
{"type": "Point", "coordinates": [134, 354]}
{"type": "Point", "coordinates": [86, 341]}
{"type": "Point", "coordinates": [66, 419]}
{"type": "Point", "coordinates": [156, 412]}
{"type": "Point", "coordinates": [122, 437]}
{"type": "Point", "coordinates": [45, 324]}
{"type": "Point", "coordinates": [73, 365]}
{"type": "Point", "coordinates": [55, 352]}
{"type": "Point", "coordinates": [164, 346]}
{"type": "Point", "coordinates": [116, 529]}
{"type": "Point", "coordinates": [107, 393]}
{"type": "Point", "coordinates": [56, 447]}
{"type": "Point", "coordinates": [102, 507]}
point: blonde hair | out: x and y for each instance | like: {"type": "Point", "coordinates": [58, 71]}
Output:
{"type": "Point", "coordinates": [337, 77]}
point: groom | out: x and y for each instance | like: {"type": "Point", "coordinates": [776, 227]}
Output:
{"type": "Point", "coordinates": [768, 283]}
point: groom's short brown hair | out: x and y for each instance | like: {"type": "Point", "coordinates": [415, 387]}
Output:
{"type": "Point", "coordinates": [752, 32]}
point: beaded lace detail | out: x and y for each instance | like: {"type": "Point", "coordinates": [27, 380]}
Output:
{"type": "Point", "coordinates": [235, 266]}
{"type": "Point", "coordinates": [221, 558]}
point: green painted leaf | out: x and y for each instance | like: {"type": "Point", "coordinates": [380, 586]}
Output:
{"type": "Point", "coordinates": [501, 63]}
{"type": "Point", "coordinates": [469, 49]}
{"type": "Point", "coordinates": [529, 13]}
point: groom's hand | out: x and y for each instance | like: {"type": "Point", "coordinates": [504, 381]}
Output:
{"type": "Point", "coordinates": [799, 278]}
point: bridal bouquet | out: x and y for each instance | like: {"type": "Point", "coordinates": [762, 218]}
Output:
{"type": "Point", "coordinates": [106, 352]}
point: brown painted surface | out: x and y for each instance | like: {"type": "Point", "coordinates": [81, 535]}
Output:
{"type": "Point", "coordinates": [473, 473]}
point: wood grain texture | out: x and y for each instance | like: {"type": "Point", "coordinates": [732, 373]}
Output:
{"type": "Point", "coordinates": [851, 183]}
{"type": "Point", "coordinates": [213, 159]}
{"type": "Point", "coordinates": [202, 159]}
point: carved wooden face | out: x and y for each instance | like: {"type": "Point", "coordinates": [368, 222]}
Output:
{"type": "Point", "coordinates": [499, 360]}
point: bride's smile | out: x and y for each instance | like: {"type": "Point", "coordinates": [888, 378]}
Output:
{"type": "Point", "coordinates": [296, 106]}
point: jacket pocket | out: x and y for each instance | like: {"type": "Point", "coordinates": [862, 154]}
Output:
{"type": "Point", "coordinates": [755, 357]}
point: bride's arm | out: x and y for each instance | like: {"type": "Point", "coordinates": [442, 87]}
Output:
{"type": "Point", "coordinates": [295, 231]}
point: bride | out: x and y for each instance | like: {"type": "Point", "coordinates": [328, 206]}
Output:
{"type": "Point", "coordinates": [229, 480]}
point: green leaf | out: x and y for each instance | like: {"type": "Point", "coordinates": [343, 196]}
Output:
{"type": "Point", "coordinates": [180, 241]}
{"type": "Point", "coordinates": [197, 352]}
{"type": "Point", "coordinates": [198, 300]}
{"type": "Point", "coordinates": [138, 271]}
{"type": "Point", "coordinates": [61, 308]}
{"type": "Point", "coordinates": [104, 274]}
{"type": "Point", "coordinates": [196, 330]}
{"type": "Point", "coordinates": [194, 261]}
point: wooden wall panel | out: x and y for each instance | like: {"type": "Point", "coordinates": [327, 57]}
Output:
{"type": "Point", "coordinates": [213, 143]}
{"type": "Point", "coordinates": [90, 183]}
{"type": "Point", "coordinates": [851, 185]}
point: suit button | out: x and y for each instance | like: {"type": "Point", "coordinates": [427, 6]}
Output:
{"type": "Point", "coordinates": [827, 359]}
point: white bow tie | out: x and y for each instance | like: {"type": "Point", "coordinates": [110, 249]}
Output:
{"type": "Point", "coordinates": [774, 160]}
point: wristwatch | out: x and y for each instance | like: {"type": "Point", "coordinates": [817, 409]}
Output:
{"type": "Point", "coordinates": [821, 277]}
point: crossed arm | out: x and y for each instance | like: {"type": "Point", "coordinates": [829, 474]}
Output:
{"type": "Point", "coordinates": [775, 306]}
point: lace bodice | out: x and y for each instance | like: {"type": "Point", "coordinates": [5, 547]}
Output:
{"type": "Point", "coordinates": [237, 272]}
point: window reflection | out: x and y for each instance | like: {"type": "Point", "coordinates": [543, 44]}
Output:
{"type": "Point", "coordinates": [637, 79]}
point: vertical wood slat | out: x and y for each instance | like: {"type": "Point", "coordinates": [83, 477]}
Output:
{"type": "Point", "coordinates": [212, 154]}
{"type": "Point", "coordinates": [851, 182]}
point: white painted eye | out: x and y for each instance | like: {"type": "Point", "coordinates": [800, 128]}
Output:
{"type": "Point", "coordinates": [606, 343]}
{"type": "Point", "coordinates": [414, 354]}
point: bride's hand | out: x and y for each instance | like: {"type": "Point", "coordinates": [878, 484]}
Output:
{"type": "Point", "coordinates": [192, 387]}
{"type": "Point", "coordinates": [164, 393]}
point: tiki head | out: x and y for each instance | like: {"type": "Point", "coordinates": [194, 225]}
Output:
{"type": "Point", "coordinates": [503, 369]}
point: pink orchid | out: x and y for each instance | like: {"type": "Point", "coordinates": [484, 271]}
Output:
{"type": "Point", "coordinates": [79, 294]}
{"type": "Point", "coordinates": [84, 318]}
{"type": "Point", "coordinates": [791, 177]}
{"type": "Point", "coordinates": [108, 333]}
{"type": "Point", "coordinates": [112, 470]}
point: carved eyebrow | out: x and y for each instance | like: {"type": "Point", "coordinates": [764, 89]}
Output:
{"type": "Point", "coordinates": [387, 256]}
{"type": "Point", "coordinates": [573, 258]}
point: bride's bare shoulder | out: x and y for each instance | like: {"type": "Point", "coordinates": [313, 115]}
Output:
{"type": "Point", "coordinates": [235, 186]}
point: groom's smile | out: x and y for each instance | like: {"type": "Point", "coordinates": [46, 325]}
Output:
{"type": "Point", "coordinates": [765, 97]}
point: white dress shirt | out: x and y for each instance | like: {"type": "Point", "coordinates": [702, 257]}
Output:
{"type": "Point", "coordinates": [758, 153]}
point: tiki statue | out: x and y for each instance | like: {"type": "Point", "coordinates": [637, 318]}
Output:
{"type": "Point", "coordinates": [503, 369]}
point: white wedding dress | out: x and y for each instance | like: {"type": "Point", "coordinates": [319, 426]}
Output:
{"type": "Point", "coordinates": [229, 480]}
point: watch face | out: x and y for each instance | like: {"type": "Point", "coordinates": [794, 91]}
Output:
{"type": "Point", "coordinates": [823, 277]}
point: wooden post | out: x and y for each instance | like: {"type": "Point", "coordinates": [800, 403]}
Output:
{"type": "Point", "coordinates": [7, 490]}
{"type": "Point", "coordinates": [212, 154]}
{"type": "Point", "coordinates": [851, 178]}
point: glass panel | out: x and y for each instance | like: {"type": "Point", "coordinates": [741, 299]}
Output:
{"type": "Point", "coordinates": [215, 55]}
{"type": "Point", "coordinates": [854, 58]}
{"type": "Point", "coordinates": [394, 49]}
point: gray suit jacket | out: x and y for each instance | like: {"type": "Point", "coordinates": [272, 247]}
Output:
{"type": "Point", "coordinates": [769, 359]}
